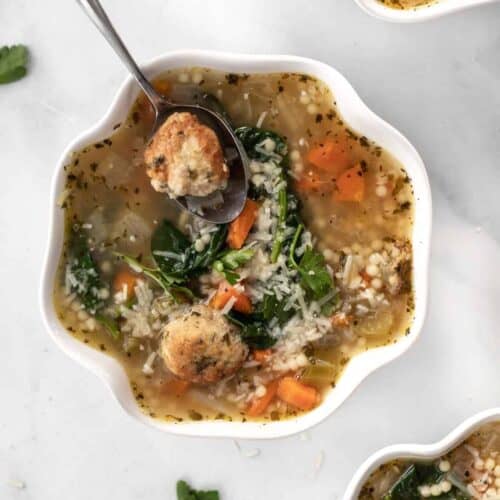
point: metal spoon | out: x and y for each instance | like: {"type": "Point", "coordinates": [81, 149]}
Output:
{"type": "Point", "coordinates": [234, 195]}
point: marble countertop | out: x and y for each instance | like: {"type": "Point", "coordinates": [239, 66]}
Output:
{"type": "Point", "coordinates": [61, 434]}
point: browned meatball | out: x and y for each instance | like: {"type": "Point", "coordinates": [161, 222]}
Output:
{"type": "Point", "coordinates": [185, 158]}
{"type": "Point", "coordinates": [202, 346]}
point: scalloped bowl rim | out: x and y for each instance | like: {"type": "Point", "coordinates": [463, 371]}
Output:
{"type": "Point", "coordinates": [419, 451]}
{"type": "Point", "coordinates": [361, 118]}
{"type": "Point", "coordinates": [432, 11]}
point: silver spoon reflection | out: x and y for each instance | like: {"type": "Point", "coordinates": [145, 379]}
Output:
{"type": "Point", "coordinates": [234, 196]}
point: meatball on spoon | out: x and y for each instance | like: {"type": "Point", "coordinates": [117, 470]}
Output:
{"type": "Point", "coordinates": [207, 172]}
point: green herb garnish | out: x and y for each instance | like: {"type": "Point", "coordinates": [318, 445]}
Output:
{"type": "Point", "coordinates": [229, 261]}
{"type": "Point", "coordinates": [185, 492]}
{"type": "Point", "coordinates": [315, 278]}
{"type": "Point", "coordinates": [13, 61]}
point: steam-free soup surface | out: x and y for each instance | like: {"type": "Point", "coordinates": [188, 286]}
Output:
{"type": "Point", "coordinates": [318, 269]}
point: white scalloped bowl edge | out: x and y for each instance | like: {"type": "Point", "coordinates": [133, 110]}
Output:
{"type": "Point", "coordinates": [424, 13]}
{"type": "Point", "coordinates": [360, 118]}
{"type": "Point", "coordinates": [418, 451]}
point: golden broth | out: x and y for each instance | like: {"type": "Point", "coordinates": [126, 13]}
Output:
{"type": "Point", "coordinates": [109, 196]}
{"type": "Point", "coordinates": [406, 4]}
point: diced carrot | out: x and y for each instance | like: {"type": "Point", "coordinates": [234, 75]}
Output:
{"type": "Point", "coordinates": [226, 292]}
{"type": "Point", "coordinates": [262, 355]}
{"type": "Point", "coordinates": [176, 386]}
{"type": "Point", "coordinates": [312, 182]}
{"type": "Point", "coordinates": [340, 319]}
{"type": "Point", "coordinates": [162, 86]}
{"type": "Point", "coordinates": [125, 280]}
{"type": "Point", "coordinates": [331, 156]}
{"type": "Point", "coordinates": [351, 185]}
{"type": "Point", "coordinates": [297, 394]}
{"type": "Point", "coordinates": [366, 277]}
{"type": "Point", "coordinates": [240, 227]}
{"type": "Point", "coordinates": [259, 405]}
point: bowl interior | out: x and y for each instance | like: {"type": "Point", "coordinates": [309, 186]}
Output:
{"type": "Point", "coordinates": [418, 451]}
{"type": "Point", "coordinates": [434, 9]}
{"type": "Point", "coordinates": [360, 118]}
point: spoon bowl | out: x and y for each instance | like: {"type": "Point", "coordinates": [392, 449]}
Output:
{"type": "Point", "coordinates": [219, 207]}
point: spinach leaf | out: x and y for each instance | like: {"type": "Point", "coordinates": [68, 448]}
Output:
{"type": "Point", "coordinates": [416, 475]}
{"type": "Point", "coordinates": [271, 308]}
{"type": "Point", "coordinates": [169, 284]}
{"type": "Point", "coordinates": [315, 279]}
{"type": "Point", "coordinates": [13, 61]}
{"type": "Point", "coordinates": [200, 261]}
{"type": "Point", "coordinates": [85, 280]}
{"type": "Point", "coordinates": [110, 325]}
{"type": "Point", "coordinates": [185, 492]}
{"type": "Point", "coordinates": [177, 258]}
{"type": "Point", "coordinates": [169, 247]}
{"type": "Point", "coordinates": [228, 261]}
{"type": "Point", "coordinates": [254, 329]}
{"type": "Point", "coordinates": [253, 139]}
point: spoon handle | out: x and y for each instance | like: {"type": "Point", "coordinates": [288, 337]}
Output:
{"type": "Point", "coordinates": [98, 16]}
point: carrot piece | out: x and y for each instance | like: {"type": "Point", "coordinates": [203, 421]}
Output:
{"type": "Point", "coordinates": [176, 386]}
{"type": "Point", "coordinates": [262, 355]}
{"type": "Point", "coordinates": [297, 394]}
{"type": "Point", "coordinates": [351, 185]}
{"type": "Point", "coordinates": [341, 319]}
{"type": "Point", "coordinates": [226, 292]}
{"type": "Point", "coordinates": [259, 405]}
{"type": "Point", "coordinates": [366, 277]}
{"type": "Point", "coordinates": [312, 182]}
{"type": "Point", "coordinates": [162, 86]}
{"type": "Point", "coordinates": [240, 227]}
{"type": "Point", "coordinates": [125, 280]}
{"type": "Point", "coordinates": [330, 156]}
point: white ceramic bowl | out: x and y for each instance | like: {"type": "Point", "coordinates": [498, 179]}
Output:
{"type": "Point", "coordinates": [433, 10]}
{"type": "Point", "coordinates": [418, 451]}
{"type": "Point", "coordinates": [361, 119]}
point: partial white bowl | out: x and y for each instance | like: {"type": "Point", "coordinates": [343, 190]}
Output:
{"type": "Point", "coordinates": [361, 119]}
{"type": "Point", "coordinates": [424, 13]}
{"type": "Point", "coordinates": [418, 451]}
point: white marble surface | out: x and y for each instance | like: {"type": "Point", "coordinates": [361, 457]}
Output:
{"type": "Point", "coordinates": [439, 83]}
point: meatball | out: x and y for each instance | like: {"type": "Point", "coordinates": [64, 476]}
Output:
{"type": "Point", "coordinates": [185, 158]}
{"type": "Point", "coordinates": [202, 346]}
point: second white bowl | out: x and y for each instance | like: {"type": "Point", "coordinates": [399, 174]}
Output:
{"type": "Point", "coordinates": [426, 452]}
{"type": "Point", "coordinates": [424, 13]}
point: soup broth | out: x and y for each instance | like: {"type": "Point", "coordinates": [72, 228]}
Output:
{"type": "Point", "coordinates": [471, 470]}
{"type": "Point", "coordinates": [407, 4]}
{"type": "Point", "coordinates": [355, 202]}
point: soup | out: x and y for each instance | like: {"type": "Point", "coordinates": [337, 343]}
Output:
{"type": "Point", "coordinates": [472, 470]}
{"type": "Point", "coordinates": [256, 319]}
{"type": "Point", "coordinates": [406, 4]}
